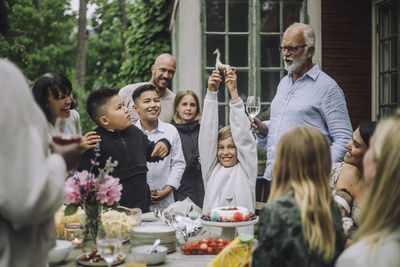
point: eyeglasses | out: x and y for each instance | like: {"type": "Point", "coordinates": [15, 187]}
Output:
{"type": "Point", "coordinates": [292, 49]}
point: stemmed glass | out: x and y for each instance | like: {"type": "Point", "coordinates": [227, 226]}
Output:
{"type": "Point", "coordinates": [253, 106]}
{"type": "Point", "coordinates": [67, 131]}
{"type": "Point", "coordinates": [109, 246]}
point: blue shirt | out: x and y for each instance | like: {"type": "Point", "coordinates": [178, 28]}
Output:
{"type": "Point", "coordinates": [314, 100]}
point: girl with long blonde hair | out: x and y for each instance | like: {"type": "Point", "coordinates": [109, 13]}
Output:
{"type": "Point", "coordinates": [301, 225]}
{"type": "Point", "coordinates": [377, 242]}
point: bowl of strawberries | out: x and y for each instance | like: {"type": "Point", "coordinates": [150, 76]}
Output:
{"type": "Point", "coordinates": [208, 246]}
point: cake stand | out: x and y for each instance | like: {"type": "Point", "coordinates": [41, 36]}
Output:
{"type": "Point", "coordinates": [229, 228]}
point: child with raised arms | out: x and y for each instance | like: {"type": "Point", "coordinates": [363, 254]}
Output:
{"type": "Point", "coordinates": [228, 156]}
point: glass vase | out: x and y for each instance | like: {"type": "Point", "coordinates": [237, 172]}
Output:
{"type": "Point", "coordinates": [92, 226]}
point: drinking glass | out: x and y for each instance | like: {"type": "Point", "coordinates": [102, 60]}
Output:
{"type": "Point", "coordinates": [67, 131]}
{"type": "Point", "coordinates": [253, 106]}
{"type": "Point", "coordinates": [108, 246]}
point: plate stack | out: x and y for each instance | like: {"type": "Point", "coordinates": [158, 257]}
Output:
{"type": "Point", "coordinates": [141, 235]}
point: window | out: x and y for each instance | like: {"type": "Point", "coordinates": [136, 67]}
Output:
{"type": "Point", "coordinates": [388, 19]}
{"type": "Point", "coordinates": [248, 33]}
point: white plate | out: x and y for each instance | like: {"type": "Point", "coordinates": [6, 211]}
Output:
{"type": "Point", "coordinates": [153, 229]}
{"type": "Point", "coordinates": [85, 263]}
{"type": "Point", "coordinates": [149, 217]}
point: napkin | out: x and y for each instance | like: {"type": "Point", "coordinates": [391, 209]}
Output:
{"type": "Point", "coordinates": [183, 207]}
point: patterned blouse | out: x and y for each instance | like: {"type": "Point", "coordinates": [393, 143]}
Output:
{"type": "Point", "coordinates": [281, 238]}
{"type": "Point", "coordinates": [355, 208]}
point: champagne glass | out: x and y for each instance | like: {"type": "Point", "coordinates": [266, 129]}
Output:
{"type": "Point", "coordinates": [109, 246]}
{"type": "Point", "coordinates": [253, 106]}
{"type": "Point", "coordinates": [67, 131]}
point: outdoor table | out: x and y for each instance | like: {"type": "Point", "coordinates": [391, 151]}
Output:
{"type": "Point", "coordinates": [177, 258]}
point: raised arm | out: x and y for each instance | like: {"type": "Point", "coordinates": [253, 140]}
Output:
{"type": "Point", "coordinates": [240, 127]}
{"type": "Point", "coordinates": [208, 135]}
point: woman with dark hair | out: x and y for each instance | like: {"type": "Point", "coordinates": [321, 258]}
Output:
{"type": "Point", "coordinates": [349, 173]}
{"type": "Point", "coordinates": [53, 93]}
{"type": "Point", "coordinates": [377, 241]}
{"type": "Point", "coordinates": [187, 120]}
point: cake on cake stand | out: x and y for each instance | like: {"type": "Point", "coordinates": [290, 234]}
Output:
{"type": "Point", "coordinates": [229, 229]}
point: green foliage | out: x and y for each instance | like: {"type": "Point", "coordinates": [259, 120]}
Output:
{"type": "Point", "coordinates": [40, 42]}
{"type": "Point", "coordinates": [70, 209]}
{"type": "Point", "coordinates": [148, 36]}
{"type": "Point", "coordinates": [82, 95]}
{"type": "Point", "coordinates": [15, 52]}
{"type": "Point", "coordinates": [104, 48]}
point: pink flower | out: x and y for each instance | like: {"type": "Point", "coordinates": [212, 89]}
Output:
{"type": "Point", "coordinates": [110, 191]}
{"type": "Point", "coordinates": [72, 191]}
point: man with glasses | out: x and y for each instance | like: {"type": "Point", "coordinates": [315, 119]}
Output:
{"type": "Point", "coordinates": [305, 96]}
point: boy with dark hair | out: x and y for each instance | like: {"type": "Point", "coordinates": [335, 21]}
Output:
{"type": "Point", "coordinates": [124, 143]}
{"type": "Point", "coordinates": [163, 176]}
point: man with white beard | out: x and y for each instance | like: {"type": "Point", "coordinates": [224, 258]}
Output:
{"type": "Point", "coordinates": [305, 96]}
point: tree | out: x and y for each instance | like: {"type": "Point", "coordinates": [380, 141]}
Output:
{"type": "Point", "coordinates": [124, 22]}
{"type": "Point", "coordinates": [80, 70]}
{"type": "Point", "coordinates": [38, 5]}
{"type": "Point", "coordinates": [148, 36]}
{"type": "Point", "coordinates": [39, 42]}
{"type": "Point", "coordinates": [105, 51]}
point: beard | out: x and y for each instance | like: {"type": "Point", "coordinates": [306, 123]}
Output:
{"type": "Point", "coordinates": [296, 63]}
{"type": "Point", "coordinates": [157, 82]}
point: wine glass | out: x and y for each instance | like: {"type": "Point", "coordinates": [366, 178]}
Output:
{"type": "Point", "coordinates": [109, 246]}
{"type": "Point", "coordinates": [253, 106]}
{"type": "Point", "coordinates": [67, 131]}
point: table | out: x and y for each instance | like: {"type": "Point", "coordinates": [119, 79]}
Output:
{"type": "Point", "coordinates": [177, 258]}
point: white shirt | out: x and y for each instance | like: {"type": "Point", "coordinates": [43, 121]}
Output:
{"type": "Point", "coordinates": [361, 254]}
{"type": "Point", "coordinates": [238, 181]}
{"type": "Point", "coordinates": [170, 170]}
{"type": "Point", "coordinates": [73, 116]}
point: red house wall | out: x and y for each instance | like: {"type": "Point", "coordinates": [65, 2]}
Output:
{"type": "Point", "coordinates": [346, 52]}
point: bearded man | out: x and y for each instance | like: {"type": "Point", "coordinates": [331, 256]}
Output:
{"type": "Point", "coordinates": [305, 96]}
{"type": "Point", "coordinates": [163, 71]}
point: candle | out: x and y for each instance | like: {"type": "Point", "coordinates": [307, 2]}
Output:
{"type": "Point", "coordinates": [76, 241]}
{"type": "Point", "coordinates": [73, 232]}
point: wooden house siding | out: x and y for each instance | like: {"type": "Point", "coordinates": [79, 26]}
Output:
{"type": "Point", "coordinates": [346, 52]}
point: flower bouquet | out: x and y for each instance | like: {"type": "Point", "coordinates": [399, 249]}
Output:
{"type": "Point", "coordinates": [92, 193]}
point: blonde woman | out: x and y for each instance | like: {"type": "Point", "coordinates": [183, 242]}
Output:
{"type": "Point", "coordinates": [187, 120]}
{"type": "Point", "coordinates": [377, 242]}
{"type": "Point", "coordinates": [301, 225]}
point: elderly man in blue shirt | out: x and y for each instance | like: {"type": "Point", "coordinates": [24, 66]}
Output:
{"type": "Point", "coordinates": [305, 96]}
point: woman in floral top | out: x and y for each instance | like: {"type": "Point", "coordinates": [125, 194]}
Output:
{"type": "Point", "coordinates": [301, 224]}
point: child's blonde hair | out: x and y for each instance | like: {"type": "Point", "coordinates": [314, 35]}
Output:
{"type": "Point", "coordinates": [224, 133]}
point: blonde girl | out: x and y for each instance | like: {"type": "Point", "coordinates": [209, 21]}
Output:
{"type": "Point", "coordinates": [301, 225]}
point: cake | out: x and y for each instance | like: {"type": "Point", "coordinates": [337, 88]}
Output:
{"type": "Point", "coordinates": [228, 214]}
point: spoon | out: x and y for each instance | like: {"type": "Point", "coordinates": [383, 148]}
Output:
{"type": "Point", "coordinates": [156, 243]}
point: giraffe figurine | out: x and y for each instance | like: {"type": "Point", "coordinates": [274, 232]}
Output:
{"type": "Point", "coordinates": [218, 63]}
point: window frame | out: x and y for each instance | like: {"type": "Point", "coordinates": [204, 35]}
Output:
{"type": "Point", "coordinates": [254, 48]}
{"type": "Point", "coordinates": [380, 105]}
